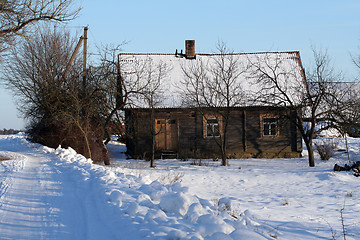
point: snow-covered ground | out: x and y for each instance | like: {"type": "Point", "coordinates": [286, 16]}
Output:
{"type": "Point", "coordinates": [57, 194]}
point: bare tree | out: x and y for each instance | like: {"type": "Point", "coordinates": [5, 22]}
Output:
{"type": "Point", "coordinates": [152, 95]}
{"type": "Point", "coordinates": [282, 84]}
{"type": "Point", "coordinates": [130, 82]}
{"type": "Point", "coordinates": [213, 87]}
{"type": "Point", "coordinates": [17, 16]}
{"type": "Point", "coordinates": [345, 110]}
{"type": "Point", "coordinates": [60, 110]}
{"type": "Point", "coordinates": [142, 78]}
{"type": "Point", "coordinates": [143, 87]}
{"type": "Point", "coordinates": [109, 74]}
{"type": "Point", "coordinates": [36, 66]}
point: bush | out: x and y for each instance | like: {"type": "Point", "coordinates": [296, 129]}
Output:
{"type": "Point", "coordinates": [85, 137]}
{"type": "Point", "coordinates": [199, 162]}
{"type": "Point", "coordinates": [325, 149]}
{"type": "Point", "coordinates": [171, 178]}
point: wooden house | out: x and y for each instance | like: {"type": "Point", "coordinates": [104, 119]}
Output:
{"type": "Point", "coordinates": [253, 130]}
{"type": "Point", "coordinates": [262, 132]}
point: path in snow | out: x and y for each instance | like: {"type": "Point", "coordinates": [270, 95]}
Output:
{"type": "Point", "coordinates": [39, 201]}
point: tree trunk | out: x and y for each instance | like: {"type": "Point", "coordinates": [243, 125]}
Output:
{"type": "Point", "coordinates": [347, 147]}
{"type": "Point", "coordinates": [153, 137]}
{"type": "Point", "coordinates": [310, 149]}
{"type": "Point", "coordinates": [152, 165]}
{"type": "Point", "coordinates": [224, 161]}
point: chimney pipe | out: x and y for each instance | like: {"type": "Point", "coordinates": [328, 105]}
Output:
{"type": "Point", "coordinates": [190, 49]}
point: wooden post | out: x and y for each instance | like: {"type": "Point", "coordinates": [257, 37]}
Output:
{"type": "Point", "coordinates": [84, 57]}
{"type": "Point", "coordinates": [119, 86]}
{"type": "Point", "coordinates": [244, 130]}
{"type": "Point", "coordinates": [73, 56]}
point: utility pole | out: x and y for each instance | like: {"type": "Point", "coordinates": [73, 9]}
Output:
{"type": "Point", "coordinates": [84, 57]}
{"type": "Point", "coordinates": [73, 57]}
{"type": "Point", "coordinates": [119, 86]}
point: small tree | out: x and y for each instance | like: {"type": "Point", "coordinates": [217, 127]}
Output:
{"type": "Point", "coordinates": [114, 90]}
{"type": "Point", "coordinates": [284, 85]}
{"type": "Point", "coordinates": [144, 80]}
{"type": "Point", "coordinates": [213, 87]}
{"type": "Point", "coordinates": [130, 83]}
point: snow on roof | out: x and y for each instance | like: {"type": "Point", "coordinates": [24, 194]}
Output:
{"type": "Point", "coordinates": [286, 66]}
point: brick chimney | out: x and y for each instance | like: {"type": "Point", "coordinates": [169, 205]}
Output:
{"type": "Point", "coordinates": [190, 49]}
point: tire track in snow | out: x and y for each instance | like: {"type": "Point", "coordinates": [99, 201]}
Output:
{"type": "Point", "coordinates": [36, 204]}
{"type": "Point", "coordinates": [15, 164]}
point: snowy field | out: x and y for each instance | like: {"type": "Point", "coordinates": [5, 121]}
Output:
{"type": "Point", "coordinates": [57, 194]}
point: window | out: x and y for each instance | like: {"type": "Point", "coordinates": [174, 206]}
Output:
{"type": "Point", "coordinates": [172, 121]}
{"type": "Point", "coordinates": [160, 121]}
{"type": "Point", "coordinates": [270, 127]}
{"type": "Point", "coordinates": [212, 127]}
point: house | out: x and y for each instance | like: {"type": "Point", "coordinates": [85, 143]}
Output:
{"type": "Point", "coordinates": [254, 131]}
{"type": "Point", "coordinates": [175, 127]}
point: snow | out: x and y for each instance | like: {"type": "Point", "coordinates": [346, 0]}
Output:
{"type": "Point", "coordinates": [58, 194]}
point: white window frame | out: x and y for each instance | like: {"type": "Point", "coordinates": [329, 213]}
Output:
{"type": "Point", "coordinates": [270, 127]}
{"type": "Point", "coordinates": [213, 126]}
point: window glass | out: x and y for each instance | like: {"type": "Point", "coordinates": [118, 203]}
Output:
{"type": "Point", "coordinates": [269, 126]}
{"type": "Point", "coordinates": [212, 127]}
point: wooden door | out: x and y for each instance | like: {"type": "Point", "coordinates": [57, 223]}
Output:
{"type": "Point", "coordinates": [171, 135]}
{"type": "Point", "coordinates": [160, 134]}
{"type": "Point", "coordinates": [166, 134]}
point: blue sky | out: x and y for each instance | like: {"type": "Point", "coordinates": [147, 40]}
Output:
{"type": "Point", "coordinates": [161, 26]}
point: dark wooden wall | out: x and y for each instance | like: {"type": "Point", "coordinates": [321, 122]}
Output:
{"type": "Point", "coordinates": [244, 131]}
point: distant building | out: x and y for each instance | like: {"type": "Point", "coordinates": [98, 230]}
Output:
{"type": "Point", "coordinates": [9, 131]}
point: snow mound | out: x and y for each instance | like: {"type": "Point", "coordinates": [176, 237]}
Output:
{"type": "Point", "coordinates": [176, 203]}
{"type": "Point", "coordinates": [245, 234]}
{"type": "Point", "coordinates": [209, 224]}
{"type": "Point", "coordinates": [116, 197]}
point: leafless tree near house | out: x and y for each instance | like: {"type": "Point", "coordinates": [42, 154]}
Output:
{"type": "Point", "coordinates": [346, 107]}
{"type": "Point", "coordinates": [352, 100]}
{"type": "Point", "coordinates": [59, 109]}
{"type": "Point", "coordinates": [312, 97]}
{"type": "Point", "coordinates": [345, 102]}
{"type": "Point", "coordinates": [114, 89]}
{"type": "Point", "coordinates": [128, 83]}
{"type": "Point", "coordinates": [152, 94]}
{"type": "Point", "coordinates": [143, 81]}
{"type": "Point", "coordinates": [345, 112]}
{"type": "Point", "coordinates": [36, 66]}
{"type": "Point", "coordinates": [213, 87]}
{"type": "Point", "coordinates": [18, 16]}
